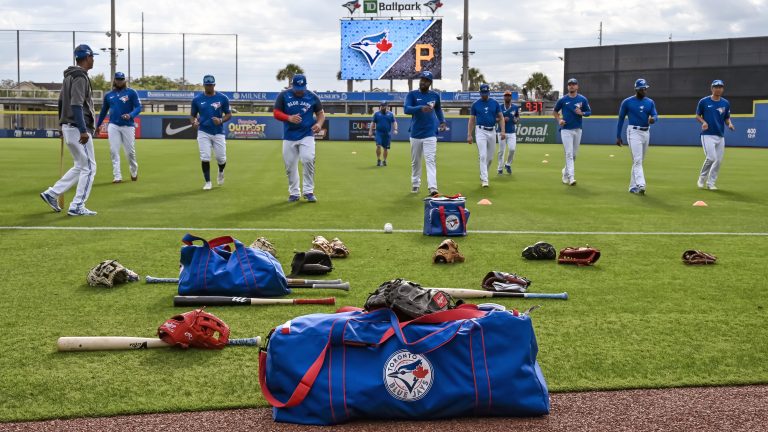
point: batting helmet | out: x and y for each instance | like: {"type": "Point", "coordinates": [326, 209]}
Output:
{"type": "Point", "coordinates": [641, 84]}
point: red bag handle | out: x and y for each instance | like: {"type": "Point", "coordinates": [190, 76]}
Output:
{"type": "Point", "coordinates": [462, 312]}
{"type": "Point", "coordinates": [441, 209]}
{"type": "Point", "coordinates": [301, 391]}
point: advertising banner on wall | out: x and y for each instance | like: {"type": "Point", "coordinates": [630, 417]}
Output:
{"type": "Point", "coordinates": [178, 128]}
{"type": "Point", "coordinates": [102, 132]}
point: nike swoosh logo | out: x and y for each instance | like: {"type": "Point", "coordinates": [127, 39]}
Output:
{"type": "Point", "coordinates": [173, 131]}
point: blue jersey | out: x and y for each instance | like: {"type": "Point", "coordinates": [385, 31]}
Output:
{"type": "Point", "coordinates": [714, 113]}
{"type": "Point", "coordinates": [567, 104]}
{"type": "Point", "coordinates": [638, 111]}
{"type": "Point", "coordinates": [205, 108]}
{"type": "Point", "coordinates": [510, 114]}
{"type": "Point", "coordinates": [304, 106]}
{"type": "Point", "coordinates": [423, 124]}
{"type": "Point", "coordinates": [485, 111]}
{"type": "Point", "coordinates": [383, 121]}
{"type": "Point", "coordinates": [117, 103]}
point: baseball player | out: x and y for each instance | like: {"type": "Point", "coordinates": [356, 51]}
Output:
{"type": "Point", "coordinates": [210, 110]}
{"type": "Point", "coordinates": [426, 120]}
{"type": "Point", "coordinates": [384, 122]}
{"type": "Point", "coordinates": [573, 108]}
{"type": "Point", "coordinates": [714, 113]}
{"type": "Point", "coordinates": [123, 105]}
{"type": "Point", "coordinates": [483, 115]}
{"type": "Point", "coordinates": [642, 114]}
{"type": "Point", "coordinates": [302, 115]}
{"type": "Point", "coordinates": [511, 113]}
{"type": "Point", "coordinates": [77, 118]}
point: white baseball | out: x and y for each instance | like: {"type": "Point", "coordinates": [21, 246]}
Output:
{"type": "Point", "coordinates": [388, 228]}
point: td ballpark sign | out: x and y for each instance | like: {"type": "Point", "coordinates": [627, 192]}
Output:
{"type": "Point", "coordinates": [377, 7]}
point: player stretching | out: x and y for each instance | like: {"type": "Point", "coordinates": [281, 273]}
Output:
{"type": "Point", "coordinates": [210, 111]}
{"type": "Point", "coordinates": [511, 113]}
{"type": "Point", "coordinates": [573, 107]}
{"type": "Point", "coordinates": [483, 115]}
{"type": "Point", "coordinates": [426, 114]}
{"type": "Point", "coordinates": [302, 115]}
{"type": "Point", "coordinates": [642, 114]}
{"type": "Point", "coordinates": [384, 122]}
{"type": "Point", "coordinates": [123, 105]}
{"type": "Point", "coordinates": [714, 113]}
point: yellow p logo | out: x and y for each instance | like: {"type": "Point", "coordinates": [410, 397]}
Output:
{"type": "Point", "coordinates": [424, 52]}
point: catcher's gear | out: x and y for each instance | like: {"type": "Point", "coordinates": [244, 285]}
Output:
{"type": "Point", "coordinates": [539, 251]}
{"type": "Point", "coordinates": [698, 257]}
{"type": "Point", "coordinates": [195, 328]}
{"type": "Point", "coordinates": [311, 262]}
{"type": "Point", "coordinates": [110, 273]}
{"type": "Point", "coordinates": [582, 256]}
{"type": "Point", "coordinates": [408, 299]}
{"type": "Point", "coordinates": [502, 281]}
{"type": "Point", "coordinates": [263, 244]}
{"type": "Point", "coordinates": [447, 253]}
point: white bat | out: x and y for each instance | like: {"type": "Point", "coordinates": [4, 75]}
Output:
{"type": "Point", "coordinates": [101, 343]}
{"type": "Point", "coordinates": [465, 293]}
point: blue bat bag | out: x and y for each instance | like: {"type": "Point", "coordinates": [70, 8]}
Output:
{"type": "Point", "coordinates": [445, 216]}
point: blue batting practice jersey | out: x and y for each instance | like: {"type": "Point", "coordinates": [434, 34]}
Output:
{"type": "Point", "coordinates": [205, 108]}
{"type": "Point", "coordinates": [714, 113]}
{"type": "Point", "coordinates": [510, 114]}
{"type": "Point", "coordinates": [383, 122]}
{"type": "Point", "coordinates": [638, 111]}
{"type": "Point", "coordinates": [117, 103]}
{"type": "Point", "coordinates": [305, 106]}
{"type": "Point", "coordinates": [423, 124]}
{"type": "Point", "coordinates": [485, 111]}
{"type": "Point", "coordinates": [567, 104]}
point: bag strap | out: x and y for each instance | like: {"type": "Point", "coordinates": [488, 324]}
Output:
{"type": "Point", "coordinates": [188, 239]}
{"type": "Point", "coordinates": [223, 240]}
{"type": "Point", "coordinates": [463, 217]}
{"type": "Point", "coordinates": [301, 391]}
{"type": "Point", "coordinates": [441, 209]}
{"type": "Point", "coordinates": [462, 312]}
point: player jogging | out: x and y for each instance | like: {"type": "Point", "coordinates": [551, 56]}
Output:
{"type": "Point", "coordinates": [511, 113]}
{"type": "Point", "coordinates": [714, 113]}
{"type": "Point", "coordinates": [210, 110]}
{"type": "Point", "coordinates": [642, 114]}
{"type": "Point", "coordinates": [384, 122]}
{"type": "Point", "coordinates": [483, 115]}
{"type": "Point", "coordinates": [426, 119]}
{"type": "Point", "coordinates": [573, 108]}
{"type": "Point", "coordinates": [123, 106]}
{"type": "Point", "coordinates": [302, 115]}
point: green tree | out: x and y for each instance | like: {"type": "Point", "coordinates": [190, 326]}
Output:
{"type": "Point", "coordinates": [7, 84]}
{"type": "Point", "coordinates": [538, 82]}
{"type": "Point", "coordinates": [154, 82]}
{"type": "Point", "coordinates": [503, 86]}
{"type": "Point", "coordinates": [99, 82]}
{"type": "Point", "coordinates": [288, 72]}
{"type": "Point", "coordinates": [474, 79]}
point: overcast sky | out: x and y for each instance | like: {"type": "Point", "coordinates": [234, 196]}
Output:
{"type": "Point", "coordinates": [511, 38]}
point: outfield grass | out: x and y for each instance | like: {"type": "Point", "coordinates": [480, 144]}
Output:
{"type": "Point", "coordinates": [639, 318]}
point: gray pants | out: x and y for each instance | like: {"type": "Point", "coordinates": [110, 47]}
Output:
{"type": "Point", "coordinates": [714, 149]}
{"type": "Point", "coordinates": [302, 150]}
{"type": "Point", "coordinates": [571, 141]}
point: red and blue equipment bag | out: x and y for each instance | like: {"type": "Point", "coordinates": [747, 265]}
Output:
{"type": "Point", "coordinates": [445, 216]}
{"type": "Point", "coordinates": [326, 369]}
{"type": "Point", "coordinates": [215, 269]}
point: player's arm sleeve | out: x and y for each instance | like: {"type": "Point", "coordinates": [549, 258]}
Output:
{"type": "Point", "coordinates": [77, 111]}
{"type": "Point", "coordinates": [409, 106]}
{"type": "Point", "coordinates": [622, 114]}
{"type": "Point", "coordinates": [278, 111]}
{"type": "Point", "coordinates": [136, 105]}
{"type": "Point", "coordinates": [103, 112]}
{"type": "Point", "coordinates": [439, 111]}
{"type": "Point", "coordinates": [586, 110]}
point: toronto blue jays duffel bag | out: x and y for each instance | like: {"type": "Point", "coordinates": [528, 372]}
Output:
{"type": "Point", "coordinates": [445, 216]}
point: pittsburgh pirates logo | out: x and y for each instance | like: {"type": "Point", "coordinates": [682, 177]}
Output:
{"type": "Point", "coordinates": [407, 376]}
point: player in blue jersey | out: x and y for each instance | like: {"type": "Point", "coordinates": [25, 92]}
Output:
{"type": "Point", "coordinates": [426, 120]}
{"type": "Point", "coordinates": [483, 115]}
{"type": "Point", "coordinates": [302, 115]}
{"type": "Point", "coordinates": [385, 124]}
{"type": "Point", "coordinates": [123, 106]}
{"type": "Point", "coordinates": [714, 114]}
{"type": "Point", "coordinates": [642, 114]}
{"type": "Point", "coordinates": [210, 111]}
{"type": "Point", "coordinates": [573, 107]}
{"type": "Point", "coordinates": [511, 113]}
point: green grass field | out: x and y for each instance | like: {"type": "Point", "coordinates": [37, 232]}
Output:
{"type": "Point", "coordinates": [639, 318]}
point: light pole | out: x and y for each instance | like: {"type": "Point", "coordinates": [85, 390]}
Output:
{"type": "Point", "coordinates": [465, 49]}
{"type": "Point", "coordinates": [112, 43]}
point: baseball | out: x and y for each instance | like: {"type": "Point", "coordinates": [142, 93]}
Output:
{"type": "Point", "coordinates": [388, 228]}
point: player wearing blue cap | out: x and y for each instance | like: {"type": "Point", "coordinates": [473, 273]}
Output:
{"type": "Point", "coordinates": [573, 107]}
{"type": "Point", "coordinates": [123, 106]}
{"type": "Point", "coordinates": [642, 114]}
{"type": "Point", "coordinates": [483, 115]}
{"type": "Point", "coordinates": [210, 110]}
{"type": "Point", "coordinates": [426, 120]}
{"type": "Point", "coordinates": [511, 113]}
{"type": "Point", "coordinates": [714, 113]}
{"type": "Point", "coordinates": [302, 115]}
{"type": "Point", "coordinates": [384, 122]}
{"type": "Point", "coordinates": [77, 118]}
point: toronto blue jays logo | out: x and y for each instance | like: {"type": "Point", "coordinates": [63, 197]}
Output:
{"type": "Point", "coordinates": [352, 6]}
{"type": "Point", "coordinates": [721, 110]}
{"type": "Point", "coordinates": [124, 99]}
{"type": "Point", "coordinates": [433, 5]}
{"type": "Point", "coordinates": [407, 376]}
{"type": "Point", "coordinates": [216, 105]}
{"type": "Point", "coordinates": [372, 46]}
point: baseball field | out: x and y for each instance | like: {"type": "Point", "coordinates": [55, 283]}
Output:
{"type": "Point", "coordinates": [639, 318]}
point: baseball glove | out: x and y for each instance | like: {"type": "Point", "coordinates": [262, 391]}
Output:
{"type": "Point", "coordinates": [539, 251]}
{"type": "Point", "coordinates": [195, 329]}
{"type": "Point", "coordinates": [322, 244]}
{"type": "Point", "coordinates": [311, 262]}
{"type": "Point", "coordinates": [502, 281]}
{"type": "Point", "coordinates": [265, 245]}
{"type": "Point", "coordinates": [447, 253]}
{"type": "Point", "coordinates": [408, 299]}
{"type": "Point", "coordinates": [339, 248]}
{"type": "Point", "coordinates": [583, 256]}
{"type": "Point", "coordinates": [110, 273]}
{"type": "Point", "coordinates": [698, 257]}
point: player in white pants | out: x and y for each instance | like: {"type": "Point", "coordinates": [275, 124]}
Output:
{"type": "Point", "coordinates": [573, 107]}
{"type": "Point", "coordinates": [125, 137]}
{"type": "Point", "coordinates": [210, 110]}
{"type": "Point", "coordinates": [82, 173]}
{"type": "Point", "coordinates": [511, 113]}
{"type": "Point", "coordinates": [301, 150]}
{"type": "Point", "coordinates": [427, 147]}
{"type": "Point", "coordinates": [483, 115]}
{"type": "Point", "coordinates": [427, 119]}
{"type": "Point", "coordinates": [642, 114]}
{"type": "Point", "coordinates": [123, 106]}
{"type": "Point", "coordinates": [714, 114]}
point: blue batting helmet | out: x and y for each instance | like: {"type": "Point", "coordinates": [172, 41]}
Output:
{"type": "Point", "coordinates": [641, 84]}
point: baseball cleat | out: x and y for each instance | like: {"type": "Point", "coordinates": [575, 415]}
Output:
{"type": "Point", "coordinates": [634, 190]}
{"type": "Point", "coordinates": [310, 197]}
{"type": "Point", "coordinates": [207, 186]}
{"type": "Point", "coordinates": [51, 201]}
{"type": "Point", "coordinates": [220, 178]}
{"type": "Point", "coordinates": [641, 190]}
{"type": "Point", "coordinates": [509, 168]}
{"type": "Point", "coordinates": [80, 211]}
{"type": "Point", "coordinates": [378, 163]}
{"type": "Point", "coordinates": [384, 163]}
{"type": "Point", "coordinates": [293, 198]}
{"type": "Point", "coordinates": [711, 187]}
{"type": "Point", "coordinates": [117, 180]}
{"type": "Point", "coordinates": [433, 192]}
{"type": "Point", "coordinates": [700, 182]}
{"type": "Point", "coordinates": [500, 171]}
{"type": "Point", "coordinates": [484, 184]}
{"type": "Point", "coordinates": [415, 189]}
{"type": "Point", "coordinates": [134, 178]}
{"type": "Point", "coordinates": [572, 182]}
{"type": "Point", "coordinates": [565, 177]}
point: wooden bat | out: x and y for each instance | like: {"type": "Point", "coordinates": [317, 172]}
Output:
{"type": "Point", "coordinates": [292, 283]}
{"type": "Point", "coordinates": [465, 293]}
{"type": "Point", "coordinates": [245, 301]}
{"type": "Point", "coordinates": [60, 199]}
{"type": "Point", "coordinates": [102, 343]}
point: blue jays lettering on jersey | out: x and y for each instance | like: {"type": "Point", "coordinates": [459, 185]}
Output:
{"type": "Point", "coordinates": [485, 111]}
{"type": "Point", "coordinates": [714, 113]}
{"type": "Point", "coordinates": [209, 107]}
{"type": "Point", "coordinates": [117, 103]}
{"type": "Point", "coordinates": [638, 110]}
{"type": "Point", "coordinates": [509, 117]}
{"type": "Point", "coordinates": [423, 124]}
{"type": "Point", "coordinates": [304, 106]}
{"type": "Point", "coordinates": [567, 104]}
{"type": "Point", "coordinates": [383, 121]}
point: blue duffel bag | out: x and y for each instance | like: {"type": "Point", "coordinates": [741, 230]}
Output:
{"type": "Point", "coordinates": [325, 369]}
{"type": "Point", "coordinates": [445, 216]}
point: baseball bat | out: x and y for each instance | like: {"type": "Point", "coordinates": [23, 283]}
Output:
{"type": "Point", "coordinates": [102, 343]}
{"type": "Point", "coordinates": [292, 283]}
{"type": "Point", "coordinates": [245, 301]}
{"type": "Point", "coordinates": [472, 293]}
{"type": "Point", "coordinates": [60, 198]}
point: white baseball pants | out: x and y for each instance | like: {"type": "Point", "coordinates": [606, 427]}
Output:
{"type": "Point", "coordinates": [302, 150]}
{"type": "Point", "coordinates": [125, 137]}
{"type": "Point", "coordinates": [218, 143]}
{"type": "Point", "coordinates": [571, 141]}
{"type": "Point", "coordinates": [82, 173]}
{"type": "Point", "coordinates": [486, 144]}
{"type": "Point", "coordinates": [509, 144]}
{"type": "Point", "coordinates": [637, 140]}
{"type": "Point", "coordinates": [428, 148]}
{"type": "Point", "coordinates": [714, 149]}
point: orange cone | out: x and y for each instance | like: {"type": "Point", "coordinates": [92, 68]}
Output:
{"type": "Point", "coordinates": [484, 202]}
{"type": "Point", "coordinates": [700, 204]}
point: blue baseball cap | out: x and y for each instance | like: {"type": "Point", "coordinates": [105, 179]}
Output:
{"type": "Point", "coordinates": [485, 88]}
{"type": "Point", "coordinates": [119, 76]}
{"type": "Point", "coordinates": [299, 82]}
{"type": "Point", "coordinates": [641, 84]}
{"type": "Point", "coordinates": [82, 51]}
{"type": "Point", "coordinates": [718, 83]}
{"type": "Point", "coordinates": [427, 75]}
{"type": "Point", "coordinates": [383, 103]}
{"type": "Point", "coordinates": [209, 80]}
{"type": "Point", "coordinates": [573, 81]}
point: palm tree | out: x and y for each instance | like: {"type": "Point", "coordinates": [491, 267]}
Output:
{"type": "Point", "coordinates": [538, 81]}
{"type": "Point", "coordinates": [474, 78]}
{"type": "Point", "coordinates": [288, 72]}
